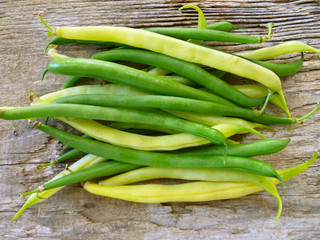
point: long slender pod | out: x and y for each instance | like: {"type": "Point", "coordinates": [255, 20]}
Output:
{"type": "Point", "coordinates": [175, 48]}
{"type": "Point", "coordinates": [160, 159]}
{"type": "Point", "coordinates": [183, 68]}
{"type": "Point", "coordinates": [278, 50]}
{"type": "Point", "coordinates": [118, 73]}
{"type": "Point", "coordinates": [115, 114]}
{"type": "Point", "coordinates": [194, 191]}
{"type": "Point", "coordinates": [159, 102]}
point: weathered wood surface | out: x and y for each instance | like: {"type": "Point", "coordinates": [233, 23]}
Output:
{"type": "Point", "coordinates": [74, 213]}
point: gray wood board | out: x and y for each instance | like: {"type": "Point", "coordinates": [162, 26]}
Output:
{"type": "Point", "coordinates": [73, 213]}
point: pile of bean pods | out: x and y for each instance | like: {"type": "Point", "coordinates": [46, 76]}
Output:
{"type": "Point", "coordinates": [172, 116]}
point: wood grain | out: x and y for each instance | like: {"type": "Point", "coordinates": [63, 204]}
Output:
{"type": "Point", "coordinates": [76, 214]}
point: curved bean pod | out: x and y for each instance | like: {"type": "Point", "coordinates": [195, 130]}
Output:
{"type": "Point", "coordinates": [284, 69]}
{"type": "Point", "coordinates": [183, 68]}
{"type": "Point", "coordinates": [175, 48]}
{"type": "Point", "coordinates": [151, 143]}
{"type": "Point", "coordinates": [257, 148]}
{"type": "Point", "coordinates": [149, 173]}
{"type": "Point", "coordinates": [139, 173]}
{"type": "Point", "coordinates": [160, 159]}
{"type": "Point", "coordinates": [126, 75]}
{"type": "Point", "coordinates": [195, 191]}
{"type": "Point", "coordinates": [113, 114]}
{"type": "Point", "coordinates": [186, 192]}
{"type": "Point", "coordinates": [113, 88]}
{"type": "Point", "coordinates": [103, 169]}
{"type": "Point", "coordinates": [278, 50]}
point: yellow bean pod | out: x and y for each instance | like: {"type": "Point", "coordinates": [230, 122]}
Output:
{"type": "Point", "coordinates": [194, 191]}
{"type": "Point", "coordinates": [151, 143]}
{"type": "Point", "coordinates": [278, 50]}
{"type": "Point", "coordinates": [176, 48]}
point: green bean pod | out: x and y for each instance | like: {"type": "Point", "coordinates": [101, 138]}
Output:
{"type": "Point", "coordinates": [175, 104]}
{"type": "Point", "coordinates": [206, 35]}
{"type": "Point", "coordinates": [108, 168]}
{"type": "Point", "coordinates": [161, 102]}
{"type": "Point", "coordinates": [183, 68]}
{"type": "Point", "coordinates": [220, 26]}
{"type": "Point", "coordinates": [71, 81]}
{"type": "Point", "coordinates": [64, 41]}
{"type": "Point", "coordinates": [135, 173]}
{"type": "Point", "coordinates": [103, 169]}
{"type": "Point", "coordinates": [113, 88]}
{"type": "Point", "coordinates": [262, 118]}
{"type": "Point", "coordinates": [151, 143]}
{"type": "Point", "coordinates": [126, 75]}
{"type": "Point", "coordinates": [252, 149]}
{"type": "Point", "coordinates": [114, 114]}
{"type": "Point", "coordinates": [195, 191]}
{"type": "Point", "coordinates": [284, 69]}
{"type": "Point", "coordinates": [211, 120]}
{"type": "Point", "coordinates": [160, 159]}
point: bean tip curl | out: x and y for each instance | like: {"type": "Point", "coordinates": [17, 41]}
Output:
{"type": "Point", "coordinates": [51, 30]}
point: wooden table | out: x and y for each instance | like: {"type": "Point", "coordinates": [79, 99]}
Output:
{"type": "Point", "coordinates": [74, 213]}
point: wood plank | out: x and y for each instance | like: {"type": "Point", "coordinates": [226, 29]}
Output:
{"type": "Point", "coordinates": [74, 213]}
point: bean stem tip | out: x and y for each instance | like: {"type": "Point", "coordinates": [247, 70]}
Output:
{"type": "Point", "coordinates": [309, 114]}
{"type": "Point", "coordinates": [265, 103]}
{"type": "Point", "coordinates": [29, 193]}
{"type": "Point", "coordinates": [270, 33]}
{"type": "Point", "coordinates": [40, 167]}
{"type": "Point", "coordinates": [51, 30]}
